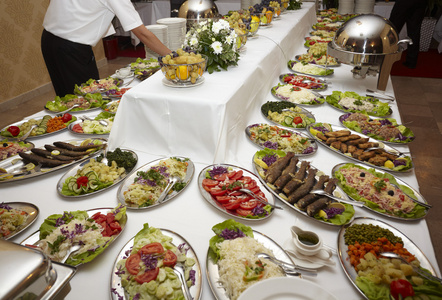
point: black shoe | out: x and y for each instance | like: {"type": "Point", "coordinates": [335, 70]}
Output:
{"type": "Point", "coordinates": [409, 65]}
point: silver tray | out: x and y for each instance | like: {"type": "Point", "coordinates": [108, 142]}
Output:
{"type": "Point", "coordinates": [206, 195]}
{"type": "Point", "coordinates": [212, 271]}
{"type": "Point", "coordinates": [318, 96]}
{"type": "Point", "coordinates": [341, 117]}
{"type": "Point", "coordinates": [387, 147]}
{"type": "Point", "coordinates": [338, 192]}
{"type": "Point", "coordinates": [74, 169]}
{"type": "Point", "coordinates": [291, 63]}
{"type": "Point", "coordinates": [130, 179]}
{"type": "Point", "coordinates": [30, 209]}
{"type": "Point", "coordinates": [72, 112]}
{"type": "Point", "coordinates": [418, 196]}
{"type": "Point", "coordinates": [30, 137]}
{"type": "Point", "coordinates": [35, 237]}
{"type": "Point", "coordinates": [408, 244]}
{"type": "Point", "coordinates": [115, 282]}
{"type": "Point", "coordinates": [102, 90]}
{"type": "Point", "coordinates": [15, 141]}
{"type": "Point", "coordinates": [348, 111]}
{"type": "Point", "coordinates": [70, 128]}
{"type": "Point", "coordinates": [10, 164]}
{"type": "Point", "coordinates": [313, 144]}
{"type": "Point", "coordinates": [297, 57]}
{"type": "Point", "coordinates": [288, 105]}
{"type": "Point", "coordinates": [321, 81]}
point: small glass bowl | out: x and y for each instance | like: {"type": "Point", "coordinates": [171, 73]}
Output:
{"type": "Point", "coordinates": [253, 29]}
{"type": "Point", "coordinates": [265, 18]}
{"type": "Point", "coordinates": [241, 40]}
{"type": "Point", "coordinates": [184, 73]}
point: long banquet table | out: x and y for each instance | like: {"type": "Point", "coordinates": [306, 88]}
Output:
{"type": "Point", "coordinates": [206, 123]}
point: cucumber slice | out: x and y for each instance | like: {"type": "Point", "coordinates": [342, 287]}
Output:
{"type": "Point", "coordinates": [92, 176]}
{"type": "Point", "coordinates": [93, 184]}
{"type": "Point", "coordinates": [76, 189]}
{"type": "Point", "coordinates": [288, 120]}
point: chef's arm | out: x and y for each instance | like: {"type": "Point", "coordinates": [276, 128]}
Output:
{"type": "Point", "coordinates": [150, 40]}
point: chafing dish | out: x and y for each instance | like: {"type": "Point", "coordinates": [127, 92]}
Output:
{"type": "Point", "coordinates": [28, 272]}
{"type": "Point", "coordinates": [370, 43]}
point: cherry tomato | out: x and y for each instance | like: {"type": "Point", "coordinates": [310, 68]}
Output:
{"type": "Point", "coordinates": [14, 130]}
{"type": "Point", "coordinates": [169, 259]}
{"type": "Point", "coordinates": [147, 276]}
{"type": "Point", "coordinates": [133, 263]}
{"type": "Point", "coordinates": [244, 212]}
{"type": "Point", "coordinates": [151, 248]}
{"type": "Point", "coordinates": [249, 205]}
{"type": "Point", "coordinates": [312, 43]}
{"type": "Point", "coordinates": [66, 118]}
{"type": "Point", "coordinates": [297, 120]}
{"type": "Point", "coordinates": [82, 181]}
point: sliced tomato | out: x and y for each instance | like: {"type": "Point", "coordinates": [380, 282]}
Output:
{"type": "Point", "coordinates": [251, 184]}
{"type": "Point", "coordinates": [232, 205]}
{"type": "Point", "coordinates": [223, 199]}
{"type": "Point", "coordinates": [255, 189]}
{"type": "Point", "coordinates": [170, 259]}
{"type": "Point", "coordinates": [297, 120]}
{"type": "Point", "coordinates": [248, 205]}
{"type": "Point", "coordinates": [218, 192]}
{"type": "Point", "coordinates": [246, 179]}
{"type": "Point", "coordinates": [231, 174]}
{"type": "Point", "coordinates": [147, 276]}
{"type": "Point", "coordinates": [110, 217]}
{"type": "Point", "coordinates": [152, 248]}
{"type": "Point", "coordinates": [209, 182]}
{"type": "Point", "coordinates": [236, 194]}
{"type": "Point", "coordinates": [220, 177]}
{"type": "Point", "coordinates": [244, 212]}
{"type": "Point", "coordinates": [133, 263]}
{"type": "Point", "coordinates": [238, 175]}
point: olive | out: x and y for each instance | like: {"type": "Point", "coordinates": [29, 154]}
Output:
{"type": "Point", "coordinates": [5, 144]}
{"type": "Point", "coordinates": [390, 192]}
{"type": "Point", "coordinates": [362, 174]}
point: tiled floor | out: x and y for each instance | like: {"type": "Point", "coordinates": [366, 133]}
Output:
{"type": "Point", "coordinates": [420, 105]}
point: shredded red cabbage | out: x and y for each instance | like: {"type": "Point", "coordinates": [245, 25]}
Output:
{"type": "Point", "coordinates": [270, 145]}
{"type": "Point", "coordinates": [192, 276]}
{"type": "Point", "coordinates": [228, 234]}
{"type": "Point", "coordinates": [218, 170]}
{"type": "Point", "coordinates": [150, 261]}
{"type": "Point", "coordinates": [399, 162]}
{"type": "Point", "coordinates": [259, 211]}
{"type": "Point", "coordinates": [114, 291]}
{"type": "Point", "coordinates": [308, 150]}
{"type": "Point", "coordinates": [269, 159]}
{"type": "Point", "coordinates": [321, 129]}
{"type": "Point", "coordinates": [333, 211]}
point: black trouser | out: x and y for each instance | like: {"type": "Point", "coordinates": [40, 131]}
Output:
{"type": "Point", "coordinates": [68, 63]}
{"type": "Point", "coordinates": [411, 12]}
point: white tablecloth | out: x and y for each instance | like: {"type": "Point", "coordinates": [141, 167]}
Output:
{"type": "Point", "coordinates": [234, 98]}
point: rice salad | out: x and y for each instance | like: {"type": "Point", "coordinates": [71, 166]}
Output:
{"type": "Point", "coordinates": [10, 219]}
{"type": "Point", "coordinates": [148, 185]}
{"type": "Point", "coordinates": [288, 92]}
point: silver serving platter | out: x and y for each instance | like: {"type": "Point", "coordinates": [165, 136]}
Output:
{"type": "Point", "coordinates": [206, 195]}
{"type": "Point", "coordinates": [408, 244]}
{"type": "Point", "coordinates": [15, 141]}
{"type": "Point", "coordinates": [320, 81]}
{"type": "Point", "coordinates": [34, 238]}
{"type": "Point", "coordinates": [348, 111]}
{"type": "Point", "coordinates": [418, 196]}
{"type": "Point", "coordinates": [303, 111]}
{"type": "Point", "coordinates": [316, 94]}
{"type": "Point", "coordinates": [102, 90]}
{"type": "Point", "coordinates": [341, 120]}
{"type": "Point", "coordinates": [313, 144]}
{"type": "Point", "coordinates": [130, 179]}
{"type": "Point", "coordinates": [71, 111]}
{"type": "Point", "coordinates": [31, 136]}
{"type": "Point", "coordinates": [70, 128]}
{"type": "Point", "coordinates": [212, 271]}
{"type": "Point", "coordinates": [298, 58]}
{"type": "Point", "coordinates": [291, 63]}
{"type": "Point", "coordinates": [338, 192]}
{"type": "Point", "coordinates": [11, 164]}
{"type": "Point", "coordinates": [381, 144]}
{"type": "Point", "coordinates": [32, 211]}
{"type": "Point", "coordinates": [73, 171]}
{"type": "Point", "coordinates": [115, 281]}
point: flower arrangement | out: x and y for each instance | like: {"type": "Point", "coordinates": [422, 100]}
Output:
{"type": "Point", "coordinates": [294, 4]}
{"type": "Point", "coordinates": [217, 41]}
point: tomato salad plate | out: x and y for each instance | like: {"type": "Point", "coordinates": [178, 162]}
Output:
{"type": "Point", "coordinates": [98, 125]}
{"type": "Point", "coordinates": [232, 264]}
{"type": "Point", "coordinates": [220, 185]}
{"type": "Point", "coordinates": [287, 114]}
{"type": "Point", "coordinates": [297, 95]}
{"type": "Point", "coordinates": [163, 254]}
{"type": "Point", "coordinates": [360, 148]}
{"type": "Point", "coordinates": [360, 245]}
{"type": "Point", "coordinates": [156, 182]}
{"type": "Point", "coordinates": [49, 158]}
{"type": "Point", "coordinates": [15, 217]}
{"type": "Point", "coordinates": [386, 130]}
{"type": "Point", "coordinates": [381, 192]}
{"type": "Point", "coordinates": [11, 147]}
{"type": "Point", "coordinates": [304, 81]}
{"type": "Point", "coordinates": [94, 230]}
{"type": "Point", "coordinates": [97, 173]}
{"type": "Point", "coordinates": [353, 102]}
{"type": "Point", "coordinates": [309, 69]}
{"type": "Point", "coordinates": [290, 180]}
{"type": "Point", "coordinates": [45, 126]}
{"type": "Point", "coordinates": [278, 138]}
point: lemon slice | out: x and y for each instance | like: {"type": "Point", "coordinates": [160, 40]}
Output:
{"type": "Point", "coordinates": [14, 161]}
{"type": "Point", "coordinates": [29, 167]}
{"type": "Point", "coordinates": [389, 164]}
{"type": "Point", "coordinates": [86, 142]}
{"type": "Point", "coordinates": [55, 152]}
{"type": "Point", "coordinates": [261, 163]}
{"type": "Point", "coordinates": [322, 214]}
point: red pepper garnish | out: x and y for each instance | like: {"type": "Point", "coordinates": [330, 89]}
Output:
{"type": "Point", "coordinates": [82, 181]}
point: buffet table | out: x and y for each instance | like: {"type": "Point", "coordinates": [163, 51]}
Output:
{"type": "Point", "coordinates": [206, 123]}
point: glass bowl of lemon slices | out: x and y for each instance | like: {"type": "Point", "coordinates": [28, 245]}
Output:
{"type": "Point", "coordinates": [183, 68]}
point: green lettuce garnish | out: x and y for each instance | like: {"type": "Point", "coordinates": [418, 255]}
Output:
{"type": "Point", "coordinates": [381, 109]}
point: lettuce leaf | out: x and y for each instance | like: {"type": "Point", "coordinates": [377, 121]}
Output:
{"type": "Point", "coordinates": [381, 109]}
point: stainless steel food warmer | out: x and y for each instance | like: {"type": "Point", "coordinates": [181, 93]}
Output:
{"type": "Point", "coordinates": [28, 273]}
{"type": "Point", "coordinates": [370, 43]}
